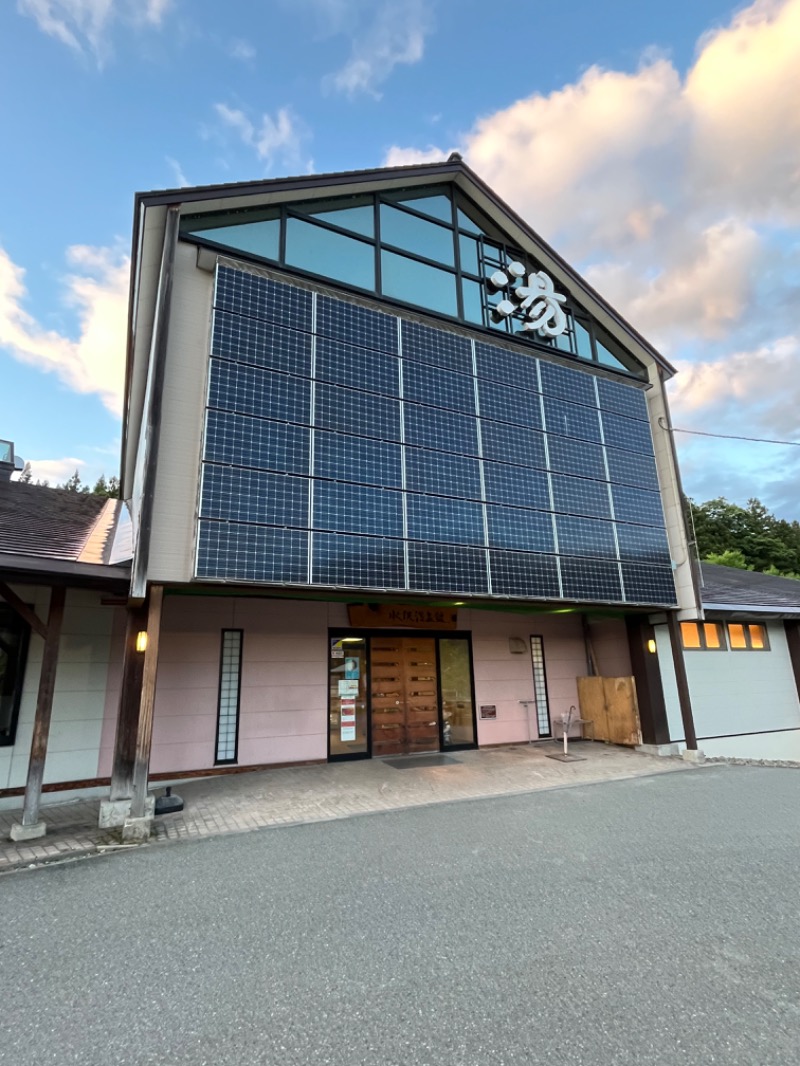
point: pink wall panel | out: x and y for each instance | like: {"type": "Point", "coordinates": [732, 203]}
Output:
{"type": "Point", "coordinates": [113, 687]}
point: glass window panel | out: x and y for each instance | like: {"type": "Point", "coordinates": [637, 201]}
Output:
{"type": "Point", "coordinates": [320, 251]}
{"type": "Point", "coordinates": [458, 726]}
{"type": "Point", "coordinates": [758, 637]}
{"type": "Point", "coordinates": [465, 222]}
{"type": "Point", "coordinates": [468, 248]}
{"type": "Point", "coordinates": [437, 205]}
{"type": "Point", "coordinates": [258, 238]}
{"type": "Point", "coordinates": [348, 702]}
{"type": "Point", "coordinates": [417, 283]}
{"type": "Point", "coordinates": [472, 295]}
{"type": "Point", "coordinates": [607, 358]}
{"type": "Point", "coordinates": [583, 341]}
{"type": "Point", "coordinates": [690, 635]}
{"type": "Point", "coordinates": [713, 635]}
{"type": "Point", "coordinates": [416, 235]}
{"type": "Point", "coordinates": [736, 635]}
{"type": "Point", "coordinates": [355, 215]}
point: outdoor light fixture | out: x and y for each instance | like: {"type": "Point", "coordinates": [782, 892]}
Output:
{"type": "Point", "coordinates": [141, 640]}
{"type": "Point", "coordinates": [651, 646]}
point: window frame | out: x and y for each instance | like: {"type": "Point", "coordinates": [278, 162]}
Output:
{"type": "Point", "coordinates": [701, 634]}
{"type": "Point", "coordinates": [9, 740]}
{"type": "Point", "coordinates": [746, 628]}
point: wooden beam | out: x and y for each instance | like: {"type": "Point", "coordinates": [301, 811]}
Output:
{"type": "Point", "coordinates": [23, 610]}
{"type": "Point", "coordinates": [44, 708]}
{"type": "Point", "coordinates": [684, 695]}
{"type": "Point", "coordinates": [144, 734]}
{"type": "Point", "coordinates": [130, 699]}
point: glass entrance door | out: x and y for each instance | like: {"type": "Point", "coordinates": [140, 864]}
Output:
{"type": "Point", "coordinates": [405, 696]}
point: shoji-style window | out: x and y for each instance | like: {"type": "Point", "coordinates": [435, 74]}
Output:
{"type": "Point", "coordinates": [230, 678]}
{"type": "Point", "coordinates": [540, 687]}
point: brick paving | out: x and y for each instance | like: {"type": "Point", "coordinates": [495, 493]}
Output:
{"type": "Point", "coordinates": [242, 802]}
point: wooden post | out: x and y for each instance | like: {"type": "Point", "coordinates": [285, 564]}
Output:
{"type": "Point", "coordinates": [144, 732]}
{"type": "Point", "coordinates": [684, 696]}
{"type": "Point", "coordinates": [44, 708]}
{"type": "Point", "coordinates": [129, 702]}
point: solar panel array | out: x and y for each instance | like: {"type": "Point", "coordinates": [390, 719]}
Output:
{"type": "Point", "coordinates": [349, 447]}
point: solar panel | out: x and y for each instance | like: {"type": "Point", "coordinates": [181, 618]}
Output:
{"type": "Point", "coordinates": [308, 442]}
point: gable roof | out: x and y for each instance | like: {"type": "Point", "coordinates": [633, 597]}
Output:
{"type": "Point", "coordinates": [41, 529]}
{"type": "Point", "coordinates": [725, 588]}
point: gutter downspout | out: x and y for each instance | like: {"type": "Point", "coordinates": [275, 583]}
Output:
{"type": "Point", "coordinates": [153, 405]}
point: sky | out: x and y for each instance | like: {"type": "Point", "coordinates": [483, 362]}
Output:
{"type": "Point", "coordinates": [655, 146]}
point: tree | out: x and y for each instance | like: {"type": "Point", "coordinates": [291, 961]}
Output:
{"type": "Point", "coordinates": [26, 477]}
{"type": "Point", "coordinates": [732, 535]}
{"type": "Point", "coordinates": [74, 484]}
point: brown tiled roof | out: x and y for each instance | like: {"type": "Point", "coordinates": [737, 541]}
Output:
{"type": "Point", "coordinates": [53, 523]}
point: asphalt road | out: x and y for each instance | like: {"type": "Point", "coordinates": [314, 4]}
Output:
{"type": "Point", "coordinates": [652, 921]}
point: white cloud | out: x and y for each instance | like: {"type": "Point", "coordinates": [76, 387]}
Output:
{"type": "Point", "coordinates": [181, 181]}
{"type": "Point", "coordinates": [384, 36]}
{"type": "Point", "coordinates": [97, 290]}
{"type": "Point", "coordinates": [56, 471]}
{"type": "Point", "coordinates": [85, 25]}
{"type": "Point", "coordinates": [273, 139]}
{"type": "Point", "coordinates": [241, 49]}
{"type": "Point", "coordinates": [406, 157]}
{"type": "Point", "coordinates": [678, 196]}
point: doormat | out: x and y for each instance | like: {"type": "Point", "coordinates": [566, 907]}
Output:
{"type": "Point", "coordinates": [410, 762]}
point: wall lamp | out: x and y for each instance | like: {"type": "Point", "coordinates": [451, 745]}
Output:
{"type": "Point", "coordinates": [141, 640]}
{"type": "Point", "coordinates": [651, 646]}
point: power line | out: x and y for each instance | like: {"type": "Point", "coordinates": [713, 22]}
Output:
{"type": "Point", "coordinates": [727, 436]}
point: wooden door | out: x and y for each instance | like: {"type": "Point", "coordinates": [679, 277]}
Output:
{"type": "Point", "coordinates": [405, 705]}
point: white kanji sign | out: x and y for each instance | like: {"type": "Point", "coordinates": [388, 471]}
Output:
{"type": "Point", "coordinates": [536, 299]}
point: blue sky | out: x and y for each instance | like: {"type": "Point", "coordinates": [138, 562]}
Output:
{"type": "Point", "coordinates": [656, 146]}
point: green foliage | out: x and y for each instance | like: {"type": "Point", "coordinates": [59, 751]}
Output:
{"type": "Point", "coordinates": [102, 487]}
{"type": "Point", "coordinates": [731, 557]}
{"type": "Point", "coordinates": [750, 538]}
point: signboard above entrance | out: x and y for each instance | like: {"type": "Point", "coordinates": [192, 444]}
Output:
{"type": "Point", "coordinates": [385, 615]}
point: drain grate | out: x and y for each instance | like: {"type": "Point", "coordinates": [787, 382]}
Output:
{"type": "Point", "coordinates": [410, 762]}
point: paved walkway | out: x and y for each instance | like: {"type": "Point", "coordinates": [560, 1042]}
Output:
{"type": "Point", "coordinates": [237, 803]}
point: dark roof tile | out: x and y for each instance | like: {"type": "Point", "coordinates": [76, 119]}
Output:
{"type": "Point", "coordinates": [725, 585]}
{"type": "Point", "coordinates": [46, 523]}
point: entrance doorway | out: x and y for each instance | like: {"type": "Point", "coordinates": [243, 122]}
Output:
{"type": "Point", "coordinates": [399, 693]}
{"type": "Point", "coordinates": [405, 695]}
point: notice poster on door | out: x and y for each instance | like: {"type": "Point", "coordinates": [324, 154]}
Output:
{"type": "Point", "coordinates": [348, 732]}
{"type": "Point", "coordinates": [348, 689]}
{"type": "Point", "coordinates": [348, 712]}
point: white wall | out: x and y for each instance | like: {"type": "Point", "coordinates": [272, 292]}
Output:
{"type": "Point", "coordinates": [79, 700]}
{"type": "Point", "coordinates": [737, 692]}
